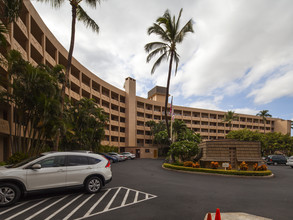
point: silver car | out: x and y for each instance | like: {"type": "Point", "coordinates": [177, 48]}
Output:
{"type": "Point", "coordinates": [54, 170]}
{"type": "Point", "coordinates": [290, 161]}
{"type": "Point", "coordinates": [128, 155]}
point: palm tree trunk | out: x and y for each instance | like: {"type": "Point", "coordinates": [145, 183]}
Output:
{"type": "Point", "coordinates": [69, 60]}
{"type": "Point", "coordinates": [167, 93]}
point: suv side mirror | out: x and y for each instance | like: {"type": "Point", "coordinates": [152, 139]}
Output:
{"type": "Point", "coordinates": [36, 166]}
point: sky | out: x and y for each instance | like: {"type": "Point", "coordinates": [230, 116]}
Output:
{"type": "Point", "coordinates": [239, 58]}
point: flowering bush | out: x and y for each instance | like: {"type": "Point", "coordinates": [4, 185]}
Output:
{"type": "Point", "coordinates": [259, 168]}
{"type": "Point", "coordinates": [196, 165]}
{"type": "Point", "coordinates": [188, 164]}
{"type": "Point", "coordinates": [262, 168]}
{"type": "Point", "coordinates": [214, 165]}
{"type": "Point", "coordinates": [243, 166]}
{"type": "Point", "coordinates": [229, 167]}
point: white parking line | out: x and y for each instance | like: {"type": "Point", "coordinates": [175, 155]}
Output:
{"type": "Point", "coordinates": [135, 201]}
{"type": "Point", "coordinates": [14, 207]}
{"type": "Point", "coordinates": [59, 210]}
{"type": "Point", "coordinates": [97, 203]}
{"type": "Point", "coordinates": [45, 208]}
{"type": "Point", "coordinates": [74, 210]}
{"type": "Point", "coordinates": [125, 197]}
{"type": "Point", "coordinates": [11, 217]}
{"type": "Point", "coordinates": [111, 201]}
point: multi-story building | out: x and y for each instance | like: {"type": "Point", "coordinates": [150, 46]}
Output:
{"type": "Point", "coordinates": [127, 112]}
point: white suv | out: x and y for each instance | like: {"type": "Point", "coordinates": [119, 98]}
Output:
{"type": "Point", "coordinates": [54, 170]}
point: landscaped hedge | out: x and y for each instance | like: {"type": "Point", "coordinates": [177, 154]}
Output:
{"type": "Point", "coordinates": [219, 171]}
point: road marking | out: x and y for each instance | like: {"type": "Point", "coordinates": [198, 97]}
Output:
{"type": "Point", "coordinates": [27, 209]}
{"type": "Point", "coordinates": [74, 210]}
{"type": "Point", "coordinates": [96, 204]}
{"type": "Point", "coordinates": [111, 201]}
{"type": "Point", "coordinates": [125, 197]}
{"type": "Point", "coordinates": [1, 213]}
{"type": "Point", "coordinates": [59, 210]}
{"type": "Point", "coordinates": [46, 208]}
{"type": "Point", "coordinates": [135, 201]}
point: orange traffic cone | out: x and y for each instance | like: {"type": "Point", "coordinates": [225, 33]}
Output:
{"type": "Point", "coordinates": [209, 216]}
{"type": "Point", "coordinates": [218, 215]}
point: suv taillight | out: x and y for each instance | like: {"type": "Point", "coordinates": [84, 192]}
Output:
{"type": "Point", "coordinates": [271, 159]}
{"type": "Point", "coordinates": [108, 164]}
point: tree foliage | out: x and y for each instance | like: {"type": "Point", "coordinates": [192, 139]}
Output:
{"type": "Point", "coordinates": [85, 126]}
{"type": "Point", "coordinates": [270, 142]}
{"type": "Point", "coordinates": [35, 94]}
{"type": "Point", "coordinates": [184, 150]}
{"type": "Point", "coordinates": [229, 117]}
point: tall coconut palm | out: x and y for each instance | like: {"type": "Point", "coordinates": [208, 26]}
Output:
{"type": "Point", "coordinates": [264, 114]}
{"type": "Point", "coordinates": [77, 14]}
{"type": "Point", "coordinates": [167, 28]}
{"type": "Point", "coordinates": [229, 117]}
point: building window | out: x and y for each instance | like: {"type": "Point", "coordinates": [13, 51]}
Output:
{"type": "Point", "coordinates": [147, 150]}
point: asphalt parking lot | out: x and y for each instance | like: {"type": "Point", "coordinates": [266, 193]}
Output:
{"type": "Point", "coordinates": [141, 189]}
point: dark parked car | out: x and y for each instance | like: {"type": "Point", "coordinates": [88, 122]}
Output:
{"type": "Point", "coordinates": [276, 159]}
{"type": "Point", "coordinates": [110, 157]}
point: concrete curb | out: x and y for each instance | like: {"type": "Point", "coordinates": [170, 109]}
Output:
{"type": "Point", "coordinates": [216, 174]}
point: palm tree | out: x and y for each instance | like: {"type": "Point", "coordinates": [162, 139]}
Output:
{"type": "Point", "coordinates": [264, 114]}
{"type": "Point", "coordinates": [79, 14]}
{"type": "Point", "coordinates": [167, 28]}
{"type": "Point", "coordinates": [179, 127]}
{"type": "Point", "coordinates": [229, 117]}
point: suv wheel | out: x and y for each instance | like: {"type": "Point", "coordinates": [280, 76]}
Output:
{"type": "Point", "coordinates": [9, 194]}
{"type": "Point", "coordinates": [275, 163]}
{"type": "Point", "coordinates": [93, 184]}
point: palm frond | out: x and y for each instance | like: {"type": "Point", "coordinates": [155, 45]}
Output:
{"type": "Point", "coordinates": [178, 19]}
{"type": "Point", "coordinates": [158, 30]}
{"type": "Point", "coordinates": [54, 3]}
{"type": "Point", "coordinates": [153, 45]}
{"type": "Point", "coordinates": [187, 28]}
{"type": "Point", "coordinates": [12, 9]}
{"type": "Point", "coordinates": [160, 50]}
{"type": "Point", "coordinates": [93, 3]}
{"type": "Point", "coordinates": [89, 22]}
{"type": "Point", "coordinates": [158, 62]}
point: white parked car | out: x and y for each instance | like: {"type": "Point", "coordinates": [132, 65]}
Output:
{"type": "Point", "coordinates": [54, 170]}
{"type": "Point", "coordinates": [290, 161]}
{"type": "Point", "coordinates": [128, 155]}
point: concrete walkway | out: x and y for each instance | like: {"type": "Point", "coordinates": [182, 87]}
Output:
{"type": "Point", "coordinates": [237, 216]}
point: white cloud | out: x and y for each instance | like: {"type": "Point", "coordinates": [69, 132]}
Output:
{"type": "Point", "coordinates": [275, 87]}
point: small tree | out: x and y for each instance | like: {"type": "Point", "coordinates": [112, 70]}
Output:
{"type": "Point", "coordinates": [264, 114]}
{"type": "Point", "coordinates": [184, 150]}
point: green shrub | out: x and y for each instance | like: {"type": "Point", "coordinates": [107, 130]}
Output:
{"type": "Point", "coordinates": [16, 158]}
{"type": "Point", "coordinates": [219, 171]}
{"type": "Point", "coordinates": [2, 163]}
{"type": "Point", "coordinates": [107, 148]}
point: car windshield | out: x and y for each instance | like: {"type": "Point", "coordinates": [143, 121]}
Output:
{"type": "Point", "coordinates": [24, 162]}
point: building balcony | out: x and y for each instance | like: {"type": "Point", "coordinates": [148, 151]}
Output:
{"type": "Point", "coordinates": [16, 46]}
{"type": "Point", "coordinates": [85, 87]}
{"type": "Point", "coordinates": [114, 133]}
{"type": "Point", "coordinates": [114, 112]}
{"type": "Point", "coordinates": [36, 45]}
{"type": "Point", "coordinates": [106, 98]}
{"type": "Point", "coordinates": [148, 111]}
{"type": "Point", "coordinates": [22, 27]}
{"type": "Point", "coordinates": [140, 127]}
{"type": "Point", "coordinates": [122, 124]}
{"type": "Point", "coordinates": [4, 126]}
{"type": "Point", "coordinates": [74, 95]}
{"type": "Point", "coordinates": [50, 59]}
{"type": "Point", "coordinates": [95, 93]}
{"type": "Point", "coordinates": [140, 109]}
{"type": "Point", "coordinates": [113, 101]}
{"type": "Point", "coordinates": [114, 122]}
{"type": "Point", "coordinates": [140, 136]}
{"type": "Point", "coordinates": [74, 80]}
